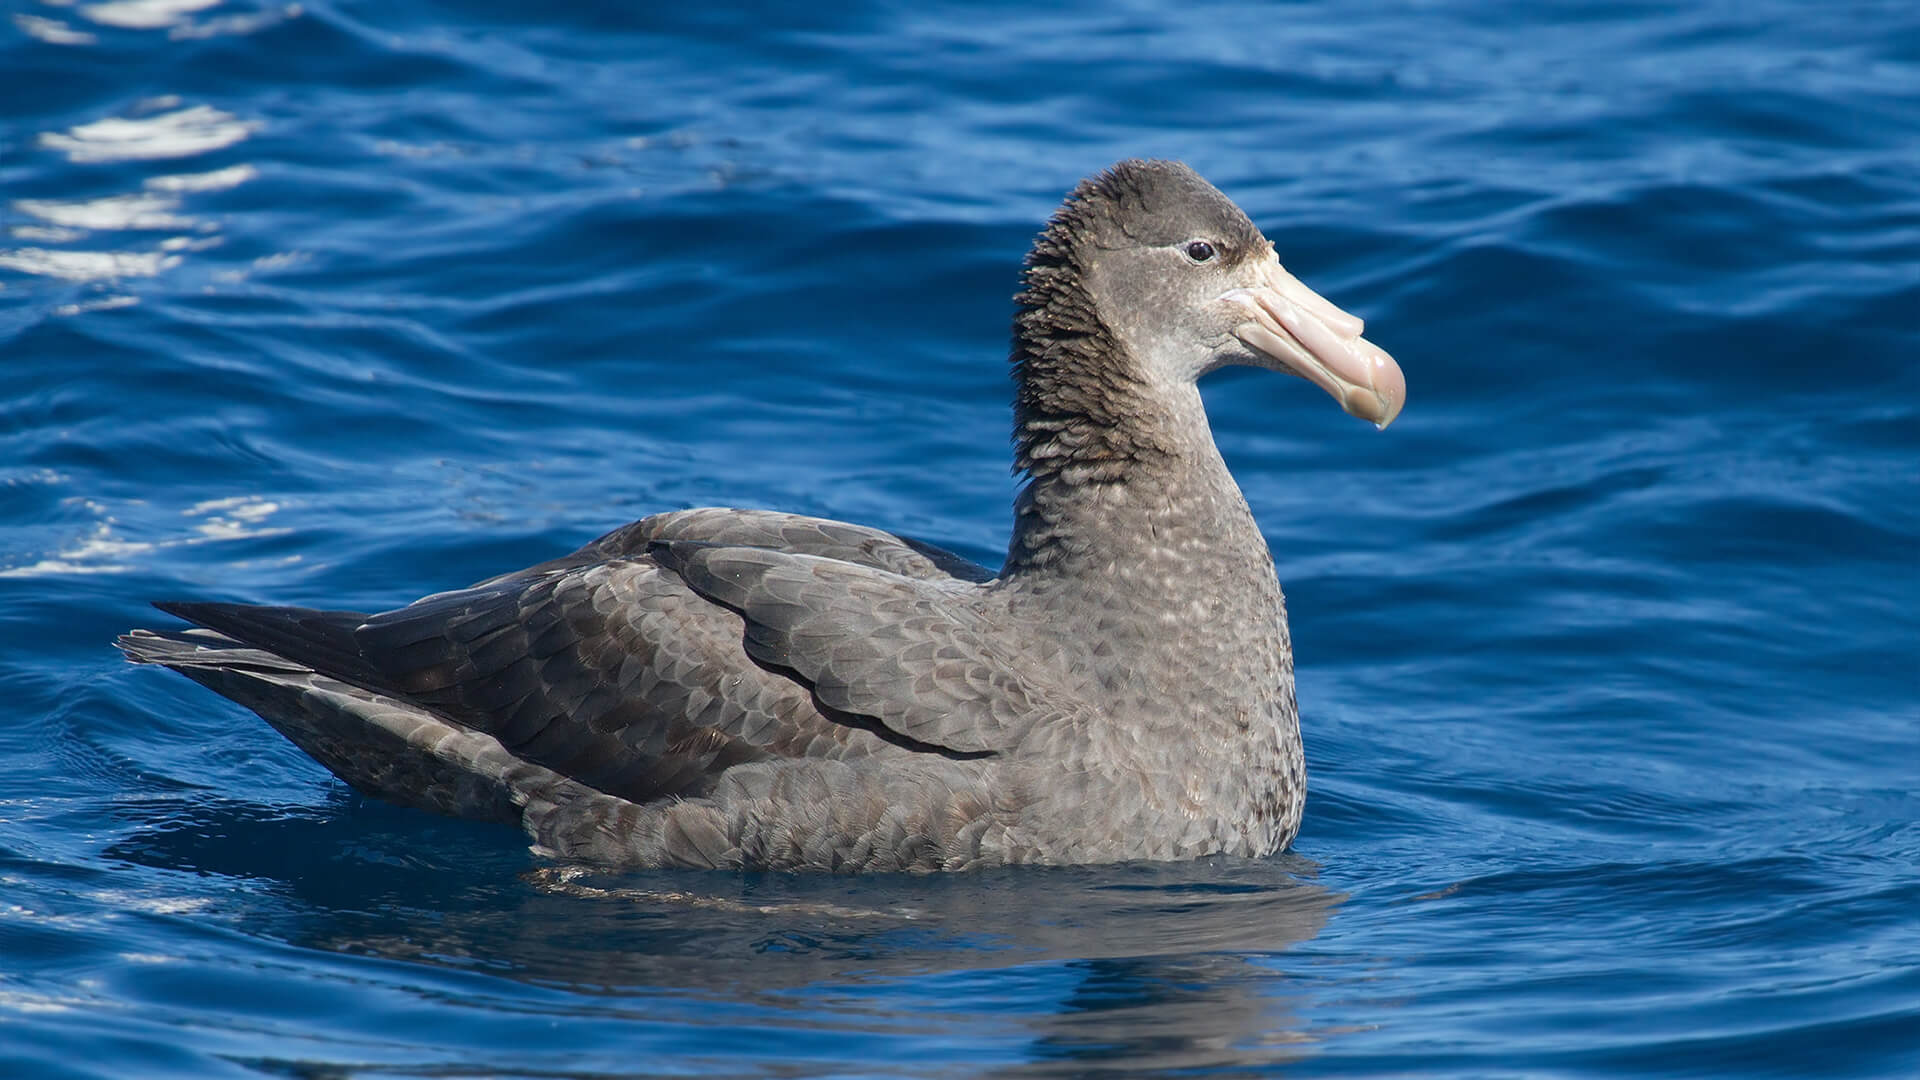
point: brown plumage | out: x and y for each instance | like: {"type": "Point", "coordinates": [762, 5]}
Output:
{"type": "Point", "coordinates": [721, 687]}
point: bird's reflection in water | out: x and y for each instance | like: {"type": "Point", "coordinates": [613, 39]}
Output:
{"type": "Point", "coordinates": [1138, 966]}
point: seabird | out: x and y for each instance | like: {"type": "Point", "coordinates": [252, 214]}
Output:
{"type": "Point", "coordinates": [744, 688]}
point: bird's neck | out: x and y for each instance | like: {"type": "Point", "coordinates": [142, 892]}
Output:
{"type": "Point", "coordinates": [1151, 502]}
{"type": "Point", "coordinates": [1130, 497]}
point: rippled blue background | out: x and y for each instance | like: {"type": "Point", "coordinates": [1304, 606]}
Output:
{"type": "Point", "coordinates": [1607, 650]}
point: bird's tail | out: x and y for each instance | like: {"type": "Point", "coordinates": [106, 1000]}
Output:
{"type": "Point", "coordinates": [384, 747]}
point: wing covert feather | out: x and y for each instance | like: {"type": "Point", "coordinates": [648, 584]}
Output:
{"type": "Point", "coordinates": [916, 655]}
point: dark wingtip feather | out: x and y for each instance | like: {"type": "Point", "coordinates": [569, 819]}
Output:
{"type": "Point", "coordinates": [321, 640]}
{"type": "Point", "coordinates": [188, 609]}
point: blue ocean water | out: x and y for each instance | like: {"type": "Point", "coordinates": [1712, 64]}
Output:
{"type": "Point", "coordinates": [1608, 651]}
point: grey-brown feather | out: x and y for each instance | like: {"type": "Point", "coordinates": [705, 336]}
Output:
{"type": "Point", "coordinates": [718, 687]}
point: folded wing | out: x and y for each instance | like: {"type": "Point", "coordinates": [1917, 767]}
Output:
{"type": "Point", "coordinates": [654, 659]}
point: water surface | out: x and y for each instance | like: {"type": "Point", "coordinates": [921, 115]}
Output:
{"type": "Point", "coordinates": [1606, 650]}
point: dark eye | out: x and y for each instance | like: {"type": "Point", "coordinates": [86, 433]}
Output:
{"type": "Point", "coordinates": [1200, 250]}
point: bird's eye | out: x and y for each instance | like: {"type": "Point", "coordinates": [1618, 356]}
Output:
{"type": "Point", "coordinates": [1200, 251]}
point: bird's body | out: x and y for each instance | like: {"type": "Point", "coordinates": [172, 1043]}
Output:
{"type": "Point", "coordinates": [719, 687]}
